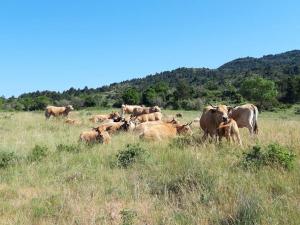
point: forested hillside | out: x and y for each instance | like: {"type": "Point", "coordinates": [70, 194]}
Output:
{"type": "Point", "coordinates": [270, 81]}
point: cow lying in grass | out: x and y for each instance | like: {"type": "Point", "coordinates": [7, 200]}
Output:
{"type": "Point", "coordinates": [94, 136]}
{"type": "Point", "coordinates": [158, 131]}
{"type": "Point", "coordinates": [229, 130]}
{"type": "Point", "coordinates": [145, 110]}
{"type": "Point", "coordinates": [58, 111]}
{"type": "Point", "coordinates": [147, 117]}
{"type": "Point", "coordinates": [113, 127]}
{"type": "Point", "coordinates": [103, 117]}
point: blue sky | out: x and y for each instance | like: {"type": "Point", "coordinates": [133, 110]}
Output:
{"type": "Point", "coordinates": [57, 44]}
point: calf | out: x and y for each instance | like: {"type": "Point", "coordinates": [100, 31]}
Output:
{"type": "Point", "coordinates": [229, 130]}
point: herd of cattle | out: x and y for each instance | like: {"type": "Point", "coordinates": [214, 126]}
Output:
{"type": "Point", "coordinates": [150, 124]}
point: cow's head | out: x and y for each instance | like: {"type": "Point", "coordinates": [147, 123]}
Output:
{"type": "Point", "coordinates": [156, 109]}
{"type": "Point", "coordinates": [230, 109]}
{"type": "Point", "coordinates": [114, 115]}
{"type": "Point", "coordinates": [69, 108]}
{"type": "Point", "coordinates": [184, 129]}
{"type": "Point", "coordinates": [220, 112]}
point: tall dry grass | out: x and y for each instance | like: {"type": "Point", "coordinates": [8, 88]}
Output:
{"type": "Point", "coordinates": [173, 184]}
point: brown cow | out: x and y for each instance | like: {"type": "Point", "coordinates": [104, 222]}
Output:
{"type": "Point", "coordinates": [160, 131]}
{"type": "Point", "coordinates": [229, 130]}
{"type": "Point", "coordinates": [58, 111]}
{"type": "Point", "coordinates": [148, 117]}
{"type": "Point", "coordinates": [101, 118]}
{"type": "Point", "coordinates": [145, 110]}
{"type": "Point", "coordinates": [211, 118]}
{"type": "Point", "coordinates": [245, 116]}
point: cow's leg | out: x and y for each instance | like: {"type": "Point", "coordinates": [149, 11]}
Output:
{"type": "Point", "coordinates": [251, 130]}
{"type": "Point", "coordinates": [238, 138]}
{"type": "Point", "coordinates": [205, 135]}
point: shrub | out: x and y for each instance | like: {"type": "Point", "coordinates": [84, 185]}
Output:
{"type": "Point", "coordinates": [37, 153]}
{"type": "Point", "coordinates": [7, 159]}
{"type": "Point", "coordinates": [68, 148]}
{"type": "Point", "coordinates": [131, 154]}
{"type": "Point", "coordinates": [297, 110]}
{"type": "Point", "coordinates": [273, 155]}
{"type": "Point", "coordinates": [280, 155]}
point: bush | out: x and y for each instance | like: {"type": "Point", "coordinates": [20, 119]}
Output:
{"type": "Point", "coordinates": [131, 154]}
{"type": "Point", "coordinates": [297, 110]}
{"type": "Point", "coordinates": [68, 148]}
{"type": "Point", "coordinates": [273, 155]}
{"type": "Point", "coordinates": [7, 159]}
{"type": "Point", "coordinates": [37, 153]}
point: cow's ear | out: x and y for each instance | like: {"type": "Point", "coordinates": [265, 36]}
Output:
{"type": "Point", "coordinates": [213, 110]}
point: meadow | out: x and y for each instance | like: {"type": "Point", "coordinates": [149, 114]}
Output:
{"type": "Point", "coordinates": [48, 177]}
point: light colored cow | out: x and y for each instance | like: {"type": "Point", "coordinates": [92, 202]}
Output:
{"type": "Point", "coordinates": [58, 111]}
{"type": "Point", "coordinates": [245, 116]}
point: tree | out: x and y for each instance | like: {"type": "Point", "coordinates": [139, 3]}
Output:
{"type": "Point", "coordinates": [149, 96]}
{"type": "Point", "coordinates": [89, 101]}
{"type": "Point", "coordinates": [183, 90]}
{"type": "Point", "coordinates": [131, 96]}
{"type": "Point", "coordinates": [262, 91]}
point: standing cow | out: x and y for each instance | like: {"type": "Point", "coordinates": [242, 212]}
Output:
{"type": "Point", "coordinates": [58, 111]}
{"type": "Point", "coordinates": [245, 116]}
{"type": "Point", "coordinates": [211, 119]}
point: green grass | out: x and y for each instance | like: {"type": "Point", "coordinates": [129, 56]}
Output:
{"type": "Point", "coordinates": [51, 178]}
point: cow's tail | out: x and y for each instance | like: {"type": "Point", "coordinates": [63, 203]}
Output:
{"type": "Point", "coordinates": [255, 118]}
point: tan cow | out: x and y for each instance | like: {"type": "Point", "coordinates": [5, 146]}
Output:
{"type": "Point", "coordinates": [113, 127]}
{"type": "Point", "coordinates": [229, 130]}
{"type": "Point", "coordinates": [128, 109]}
{"type": "Point", "coordinates": [245, 116]}
{"type": "Point", "coordinates": [89, 136]}
{"type": "Point", "coordinates": [95, 136]}
{"type": "Point", "coordinates": [58, 111]}
{"type": "Point", "coordinates": [160, 130]}
{"type": "Point", "coordinates": [148, 117]}
{"type": "Point", "coordinates": [103, 117]}
{"type": "Point", "coordinates": [211, 119]}
{"type": "Point", "coordinates": [145, 110]}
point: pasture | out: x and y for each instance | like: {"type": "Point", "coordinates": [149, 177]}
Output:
{"type": "Point", "coordinates": [180, 181]}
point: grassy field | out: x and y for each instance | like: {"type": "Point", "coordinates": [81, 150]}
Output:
{"type": "Point", "coordinates": [49, 178]}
